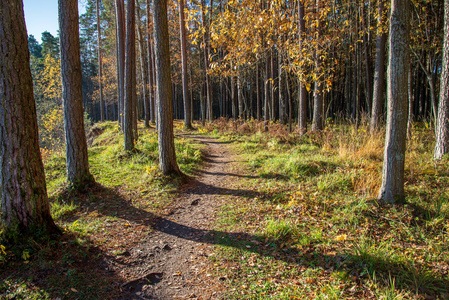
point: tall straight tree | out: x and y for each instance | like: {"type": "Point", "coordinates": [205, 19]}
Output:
{"type": "Point", "coordinates": [100, 65]}
{"type": "Point", "coordinates": [206, 53]}
{"type": "Point", "coordinates": [379, 69]}
{"type": "Point", "coordinates": [302, 107]}
{"type": "Point", "coordinates": [150, 66]}
{"type": "Point", "coordinates": [130, 75]}
{"type": "Point", "coordinates": [120, 28]}
{"type": "Point", "coordinates": [143, 70]}
{"type": "Point", "coordinates": [317, 123]}
{"type": "Point", "coordinates": [24, 203]}
{"type": "Point", "coordinates": [392, 189]}
{"type": "Point", "coordinates": [185, 75]}
{"type": "Point", "coordinates": [167, 155]}
{"type": "Point", "coordinates": [76, 146]}
{"type": "Point", "coordinates": [442, 130]}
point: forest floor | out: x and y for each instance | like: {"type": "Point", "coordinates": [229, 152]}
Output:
{"type": "Point", "coordinates": [262, 214]}
{"type": "Point", "coordinates": [176, 264]}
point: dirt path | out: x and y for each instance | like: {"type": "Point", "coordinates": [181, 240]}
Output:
{"type": "Point", "coordinates": [173, 261]}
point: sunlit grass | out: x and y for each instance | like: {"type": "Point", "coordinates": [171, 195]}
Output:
{"type": "Point", "coordinates": [319, 192]}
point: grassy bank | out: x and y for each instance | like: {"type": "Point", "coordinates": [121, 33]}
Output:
{"type": "Point", "coordinates": [99, 223]}
{"type": "Point", "coordinates": [312, 228]}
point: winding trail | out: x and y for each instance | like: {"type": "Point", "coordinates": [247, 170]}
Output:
{"type": "Point", "coordinates": [174, 258]}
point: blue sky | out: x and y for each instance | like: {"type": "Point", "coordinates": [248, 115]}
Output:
{"type": "Point", "coordinates": [42, 16]}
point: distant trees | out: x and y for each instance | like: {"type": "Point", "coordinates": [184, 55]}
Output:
{"type": "Point", "coordinates": [24, 201]}
{"type": "Point", "coordinates": [392, 189]}
{"type": "Point", "coordinates": [76, 146]}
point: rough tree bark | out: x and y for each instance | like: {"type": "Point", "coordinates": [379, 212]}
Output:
{"type": "Point", "coordinates": [167, 154]}
{"type": "Point", "coordinates": [392, 189]}
{"type": "Point", "coordinates": [100, 65]}
{"type": "Point", "coordinates": [76, 145]}
{"type": "Point", "coordinates": [442, 128]}
{"type": "Point", "coordinates": [24, 204]}
{"type": "Point", "coordinates": [130, 76]}
{"type": "Point", "coordinates": [185, 75]}
{"type": "Point", "coordinates": [150, 66]}
{"type": "Point", "coordinates": [120, 21]}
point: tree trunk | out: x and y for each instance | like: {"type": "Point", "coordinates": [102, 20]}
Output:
{"type": "Point", "coordinates": [281, 96]}
{"type": "Point", "coordinates": [272, 86]}
{"type": "Point", "coordinates": [259, 102]}
{"type": "Point", "coordinates": [24, 204]}
{"type": "Point", "coordinates": [76, 146]}
{"type": "Point", "coordinates": [302, 108]}
{"type": "Point", "coordinates": [366, 42]}
{"type": "Point", "coordinates": [143, 72]}
{"type": "Point", "coordinates": [120, 20]}
{"type": "Point", "coordinates": [150, 108]}
{"type": "Point", "coordinates": [100, 65]}
{"type": "Point", "coordinates": [185, 75]}
{"type": "Point", "coordinates": [167, 155]}
{"type": "Point", "coordinates": [151, 76]}
{"type": "Point", "coordinates": [317, 123]}
{"type": "Point", "coordinates": [130, 76]}
{"type": "Point", "coordinates": [410, 104]}
{"type": "Point", "coordinates": [392, 189]}
{"type": "Point", "coordinates": [239, 97]}
{"type": "Point", "coordinates": [267, 88]}
{"type": "Point", "coordinates": [379, 70]}
{"type": "Point", "coordinates": [442, 128]}
{"type": "Point", "coordinates": [206, 53]}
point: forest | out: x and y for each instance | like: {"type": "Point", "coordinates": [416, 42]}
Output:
{"type": "Point", "coordinates": [227, 149]}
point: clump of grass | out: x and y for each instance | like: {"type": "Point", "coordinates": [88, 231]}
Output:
{"type": "Point", "coordinates": [280, 231]}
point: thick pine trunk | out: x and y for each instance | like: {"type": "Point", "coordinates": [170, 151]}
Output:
{"type": "Point", "coordinates": [24, 202]}
{"type": "Point", "coordinates": [130, 76]}
{"type": "Point", "coordinates": [76, 146]}
{"type": "Point", "coordinates": [167, 155]}
{"type": "Point", "coordinates": [392, 189]}
{"type": "Point", "coordinates": [185, 74]}
{"type": "Point", "coordinates": [442, 128]}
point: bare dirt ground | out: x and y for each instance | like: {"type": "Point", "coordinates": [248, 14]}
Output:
{"type": "Point", "coordinates": [172, 263]}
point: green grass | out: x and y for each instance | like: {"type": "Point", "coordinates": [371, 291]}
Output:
{"type": "Point", "coordinates": [101, 220]}
{"type": "Point", "coordinates": [316, 196]}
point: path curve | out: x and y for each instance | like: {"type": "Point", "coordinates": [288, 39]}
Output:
{"type": "Point", "coordinates": [177, 251]}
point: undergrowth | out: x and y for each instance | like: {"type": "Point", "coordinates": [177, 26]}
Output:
{"type": "Point", "coordinates": [101, 221]}
{"type": "Point", "coordinates": [314, 226]}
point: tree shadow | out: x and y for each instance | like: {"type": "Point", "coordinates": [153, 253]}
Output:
{"type": "Point", "coordinates": [73, 269]}
{"type": "Point", "coordinates": [409, 277]}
